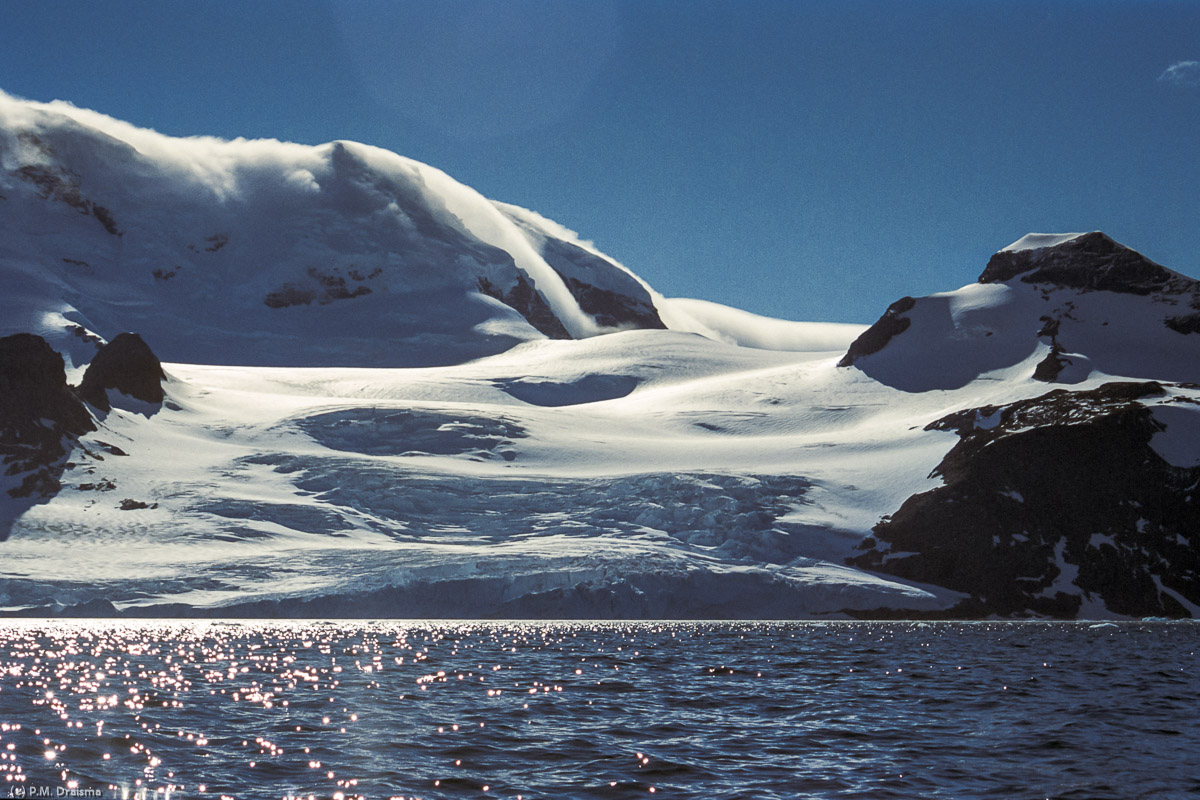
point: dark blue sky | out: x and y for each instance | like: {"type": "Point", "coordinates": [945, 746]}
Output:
{"type": "Point", "coordinates": [807, 160]}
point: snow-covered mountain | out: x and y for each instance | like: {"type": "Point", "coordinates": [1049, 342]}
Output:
{"type": "Point", "coordinates": [385, 395]}
{"type": "Point", "coordinates": [1080, 500]}
{"type": "Point", "coordinates": [267, 253]}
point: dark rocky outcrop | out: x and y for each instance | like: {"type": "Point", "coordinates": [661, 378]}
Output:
{"type": "Point", "coordinates": [1049, 368]}
{"type": "Point", "coordinates": [40, 416]}
{"type": "Point", "coordinates": [57, 184]}
{"type": "Point", "coordinates": [1185, 323]}
{"type": "Point", "coordinates": [211, 244]}
{"type": "Point", "coordinates": [129, 504]}
{"type": "Point", "coordinates": [1039, 489]}
{"type": "Point", "coordinates": [96, 608]}
{"type": "Point", "coordinates": [105, 218]}
{"type": "Point", "coordinates": [126, 364]}
{"type": "Point", "coordinates": [333, 286]}
{"type": "Point", "coordinates": [623, 303]}
{"type": "Point", "coordinates": [1091, 261]}
{"type": "Point", "coordinates": [609, 308]}
{"type": "Point", "coordinates": [1086, 263]}
{"type": "Point", "coordinates": [324, 288]}
{"type": "Point", "coordinates": [612, 309]}
{"type": "Point", "coordinates": [289, 295]}
{"type": "Point", "coordinates": [876, 337]}
{"type": "Point", "coordinates": [530, 304]}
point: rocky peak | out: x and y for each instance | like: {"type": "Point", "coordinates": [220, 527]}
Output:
{"type": "Point", "coordinates": [875, 338]}
{"type": "Point", "coordinates": [31, 373]}
{"type": "Point", "coordinates": [38, 413]}
{"type": "Point", "coordinates": [126, 364]}
{"type": "Point", "coordinates": [1090, 261]}
{"type": "Point", "coordinates": [1050, 501]}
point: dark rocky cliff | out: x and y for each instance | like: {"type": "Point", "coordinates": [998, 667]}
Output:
{"type": "Point", "coordinates": [1090, 261]}
{"type": "Point", "coordinates": [629, 308]}
{"type": "Point", "coordinates": [40, 416]}
{"type": "Point", "coordinates": [127, 365]}
{"type": "Point", "coordinates": [875, 338]}
{"type": "Point", "coordinates": [1049, 503]}
{"type": "Point", "coordinates": [530, 304]}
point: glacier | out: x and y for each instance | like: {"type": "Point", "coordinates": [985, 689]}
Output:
{"type": "Point", "coordinates": [388, 396]}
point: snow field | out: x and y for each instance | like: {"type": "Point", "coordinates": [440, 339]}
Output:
{"type": "Point", "coordinates": [278, 483]}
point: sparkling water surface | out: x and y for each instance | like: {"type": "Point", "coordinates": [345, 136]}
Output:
{"type": "Point", "coordinates": [599, 710]}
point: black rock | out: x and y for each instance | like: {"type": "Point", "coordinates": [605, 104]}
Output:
{"type": "Point", "coordinates": [611, 309]}
{"type": "Point", "coordinates": [129, 504]}
{"type": "Point", "coordinates": [39, 414]}
{"type": "Point", "coordinates": [55, 183]}
{"type": "Point", "coordinates": [289, 295]}
{"type": "Point", "coordinates": [625, 303]}
{"type": "Point", "coordinates": [876, 337]}
{"type": "Point", "coordinates": [1185, 323]}
{"type": "Point", "coordinates": [97, 607]}
{"type": "Point", "coordinates": [126, 364]}
{"type": "Point", "coordinates": [322, 287]}
{"type": "Point", "coordinates": [1090, 261]}
{"type": "Point", "coordinates": [529, 303]}
{"type": "Point", "coordinates": [1065, 481]}
{"type": "Point", "coordinates": [1049, 368]}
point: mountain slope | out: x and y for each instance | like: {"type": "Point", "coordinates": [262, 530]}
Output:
{"type": "Point", "coordinates": [1058, 505]}
{"type": "Point", "coordinates": [1081, 306]}
{"type": "Point", "coordinates": [384, 395]}
{"type": "Point", "coordinates": [260, 252]}
{"type": "Point", "coordinates": [1078, 501]}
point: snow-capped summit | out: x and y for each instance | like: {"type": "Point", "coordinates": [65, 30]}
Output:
{"type": "Point", "coordinates": [1038, 241]}
{"type": "Point", "coordinates": [1088, 261]}
{"type": "Point", "coordinates": [1065, 503]}
{"type": "Point", "coordinates": [1055, 307]}
{"type": "Point", "coordinates": [261, 252]}
{"type": "Point", "coordinates": [270, 253]}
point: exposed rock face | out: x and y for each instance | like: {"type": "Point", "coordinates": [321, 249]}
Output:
{"type": "Point", "coordinates": [324, 288]}
{"type": "Point", "coordinates": [61, 185]}
{"type": "Point", "coordinates": [126, 364]}
{"type": "Point", "coordinates": [630, 308]}
{"type": "Point", "coordinates": [875, 338]}
{"type": "Point", "coordinates": [612, 309]}
{"type": "Point", "coordinates": [289, 295]}
{"type": "Point", "coordinates": [1091, 261]}
{"type": "Point", "coordinates": [1185, 323]}
{"type": "Point", "coordinates": [529, 303]}
{"type": "Point", "coordinates": [39, 415]}
{"type": "Point", "coordinates": [1095, 302]}
{"type": "Point", "coordinates": [1049, 368]}
{"type": "Point", "coordinates": [612, 296]}
{"type": "Point", "coordinates": [1048, 502]}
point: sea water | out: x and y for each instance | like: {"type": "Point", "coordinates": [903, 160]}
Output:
{"type": "Point", "coordinates": [599, 710]}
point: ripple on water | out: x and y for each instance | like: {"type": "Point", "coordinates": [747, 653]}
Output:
{"type": "Point", "coordinates": [611, 710]}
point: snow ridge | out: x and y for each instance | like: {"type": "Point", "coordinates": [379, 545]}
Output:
{"type": "Point", "coordinates": [1037, 241]}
